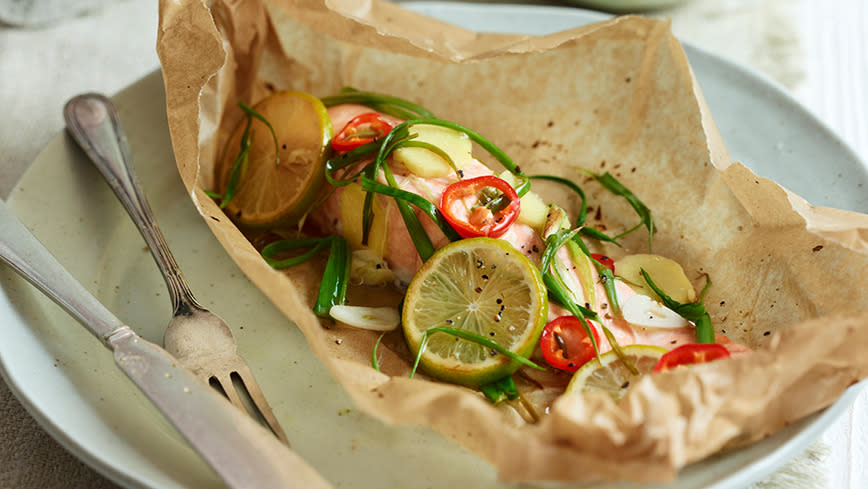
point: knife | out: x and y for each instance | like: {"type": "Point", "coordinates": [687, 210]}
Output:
{"type": "Point", "coordinates": [238, 448]}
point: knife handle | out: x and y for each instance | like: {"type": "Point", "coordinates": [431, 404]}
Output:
{"type": "Point", "coordinates": [241, 451]}
{"type": "Point", "coordinates": [26, 255]}
{"type": "Point", "coordinates": [238, 448]}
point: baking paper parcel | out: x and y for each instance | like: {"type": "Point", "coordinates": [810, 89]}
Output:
{"type": "Point", "coordinates": [789, 280]}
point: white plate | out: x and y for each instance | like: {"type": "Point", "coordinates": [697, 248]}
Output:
{"type": "Point", "coordinates": [68, 381]}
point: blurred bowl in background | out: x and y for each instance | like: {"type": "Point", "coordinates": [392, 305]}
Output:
{"type": "Point", "coordinates": [626, 6]}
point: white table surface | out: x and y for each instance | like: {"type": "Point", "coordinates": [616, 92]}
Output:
{"type": "Point", "coordinates": [817, 49]}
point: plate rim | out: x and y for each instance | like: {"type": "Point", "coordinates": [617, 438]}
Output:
{"type": "Point", "coordinates": [761, 467]}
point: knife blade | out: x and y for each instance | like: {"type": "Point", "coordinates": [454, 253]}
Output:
{"type": "Point", "coordinates": [239, 450]}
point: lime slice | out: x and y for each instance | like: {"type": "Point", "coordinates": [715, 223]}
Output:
{"type": "Point", "coordinates": [270, 195]}
{"type": "Point", "coordinates": [612, 376]}
{"type": "Point", "coordinates": [483, 286]}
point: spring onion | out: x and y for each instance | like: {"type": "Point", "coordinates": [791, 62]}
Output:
{"type": "Point", "coordinates": [583, 209]}
{"type": "Point", "coordinates": [333, 288]}
{"type": "Point", "coordinates": [561, 296]}
{"type": "Point", "coordinates": [387, 104]}
{"type": "Point", "coordinates": [239, 166]}
{"type": "Point", "coordinates": [475, 338]}
{"type": "Point", "coordinates": [417, 200]}
{"type": "Point", "coordinates": [611, 184]}
{"type": "Point", "coordinates": [374, 362]}
{"type": "Point", "coordinates": [691, 311]}
{"type": "Point", "coordinates": [500, 390]}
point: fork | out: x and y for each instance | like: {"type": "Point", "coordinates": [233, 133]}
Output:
{"type": "Point", "coordinates": [196, 337]}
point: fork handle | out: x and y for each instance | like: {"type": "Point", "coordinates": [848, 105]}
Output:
{"type": "Point", "coordinates": [93, 122]}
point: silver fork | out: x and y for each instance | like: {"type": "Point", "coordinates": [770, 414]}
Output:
{"type": "Point", "coordinates": [198, 338]}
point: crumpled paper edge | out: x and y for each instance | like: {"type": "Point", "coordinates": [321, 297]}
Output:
{"type": "Point", "coordinates": [184, 117]}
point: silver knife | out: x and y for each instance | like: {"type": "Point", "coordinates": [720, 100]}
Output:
{"type": "Point", "coordinates": [238, 448]}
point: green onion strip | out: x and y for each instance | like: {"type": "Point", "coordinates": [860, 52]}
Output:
{"type": "Point", "coordinates": [251, 112]}
{"type": "Point", "coordinates": [501, 389]}
{"type": "Point", "coordinates": [475, 338]}
{"type": "Point", "coordinates": [333, 288]}
{"type": "Point", "coordinates": [611, 184]}
{"type": "Point", "coordinates": [387, 104]}
{"type": "Point", "coordinates": [374, 362]}
{"type": "Point", "coordinates": [561, 295]}
{"type": "Point", "coordinates": [583, 210]}
{"type": "Point", "coordinates": [336, 277]}
{"type": "Point", "coordinates": [691, 311]}
{"type": "Point", "coordinates": [420, 238]}
{"type": "Point", "coordinates": [436, 150]}
{"type": "Point", "coordinates": [239, 166]}
{"type": "Point", "coordinates": [606, 276]}
{"type": "Point", "coordinates": [417, 200]}
{"type": "Point", "coordinates": [272, 249]}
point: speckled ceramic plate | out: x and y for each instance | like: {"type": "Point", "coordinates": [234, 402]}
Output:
{"type": "Point", "coordinates": [68, 381]}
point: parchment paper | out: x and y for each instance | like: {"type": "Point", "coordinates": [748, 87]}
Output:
{"type": "Point", "coordinates": [790, 280]}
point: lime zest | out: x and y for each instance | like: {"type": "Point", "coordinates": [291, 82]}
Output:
{"type": "Point", "coordinates": [473, 337]}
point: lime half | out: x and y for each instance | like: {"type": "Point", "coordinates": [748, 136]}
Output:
{"type": "Point", "coordinates": [269, 194]}
{"type": "Point", "coordinates": [611, 375]}
{"type": "Point", "coordinates": [482, 286]}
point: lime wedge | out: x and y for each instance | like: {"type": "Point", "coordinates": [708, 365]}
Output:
{"type": "Point", "coordinates": [483, 286]}
{"type": "Point", "coordinates": [612, 376]}
{"type": "Point", "coordinates": [272, 195]}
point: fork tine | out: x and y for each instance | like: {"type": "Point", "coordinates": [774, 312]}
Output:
{"type": "Point", "coordinates": [259, 401]}
{"type": "Point", "coordinates": [228, 388]}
